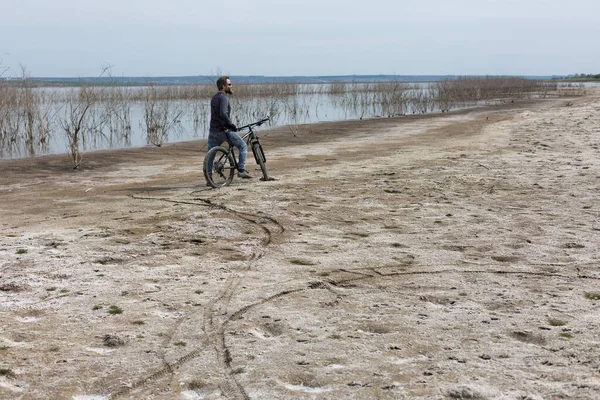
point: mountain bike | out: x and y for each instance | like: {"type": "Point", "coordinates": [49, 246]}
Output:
{"type": "Point", "coordinates": [220, 163]}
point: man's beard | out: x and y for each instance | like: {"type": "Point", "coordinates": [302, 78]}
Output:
{"type": "Point", "coordinates": [228, 90]}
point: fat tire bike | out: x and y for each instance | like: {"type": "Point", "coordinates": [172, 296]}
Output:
{"type": "Point", "coordinates": [223, 160]}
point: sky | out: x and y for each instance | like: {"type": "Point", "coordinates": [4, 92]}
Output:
{"type": "Point", "coordinates": [80, 38]}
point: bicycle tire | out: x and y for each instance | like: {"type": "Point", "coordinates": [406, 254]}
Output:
{"type": "Point", "coordinates": [223, 167]}
{"type": "Point", "coordinates": [259, 156]}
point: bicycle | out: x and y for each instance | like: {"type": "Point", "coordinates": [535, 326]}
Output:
{"type": "Point", "coordinates": [224, 163]}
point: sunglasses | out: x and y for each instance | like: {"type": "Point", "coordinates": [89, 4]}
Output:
{"type": "Point", "coordinates": [230, 84]}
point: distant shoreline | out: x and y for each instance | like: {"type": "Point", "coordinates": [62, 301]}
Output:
{"type": "Point", "coordinates": [247, 79]}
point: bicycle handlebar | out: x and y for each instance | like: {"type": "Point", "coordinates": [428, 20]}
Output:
{"type": "Point", "coordinates": [258, 123]}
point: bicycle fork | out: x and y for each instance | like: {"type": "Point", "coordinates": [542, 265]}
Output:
{"type": "Point", "coordinates": [259, 154]}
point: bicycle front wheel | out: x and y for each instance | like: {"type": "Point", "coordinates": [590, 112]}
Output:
{"type": "Point", "coordinates": [259, 156]}
{"type": "Point", "coordinates": [219, 167]}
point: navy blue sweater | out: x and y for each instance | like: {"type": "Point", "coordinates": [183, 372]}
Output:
{"type": "Point", "coordinates": [220, 111]}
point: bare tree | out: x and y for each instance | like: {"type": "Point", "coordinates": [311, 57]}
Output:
{"type": "Point", "coordinates": [11, 119]}
{"type": "Point", "coordinates": [45, 119]}
{"type": "Point", "coordinates": [3, 70]}
{"type": "Point", "coordinates": [293, 112]}
{"type": "Point", "coordinates": [442, 93]}
{"type": "Point", "coordinates": [8, 127]}
{"type": "Point", "coordinates": [74, 120]}
{"type": "Point", "coordinates": [80, 120]}
{"type": "Point", "coordinates": [25, 119]}
{"type": "Point", "coordinates": [160, 117]}
{"type": "Point", "coordinates": [117, 111]}
{"type": "Point", "coordinates": [29, 108]}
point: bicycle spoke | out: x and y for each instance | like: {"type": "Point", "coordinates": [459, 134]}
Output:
{"type": "Point", "coordinates": [221, 169]}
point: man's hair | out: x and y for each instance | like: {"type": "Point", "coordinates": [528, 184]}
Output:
{"type": "Point", "coordinates": [222, 81]}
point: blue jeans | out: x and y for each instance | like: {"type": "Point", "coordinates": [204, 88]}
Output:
{"type": "Point", "coordinates": [215, 138]}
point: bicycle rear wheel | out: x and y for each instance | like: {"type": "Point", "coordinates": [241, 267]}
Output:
{"type": "Point", "coordinates": [259, 156]}
{"type": "Point", "coordinates": [219, 167]}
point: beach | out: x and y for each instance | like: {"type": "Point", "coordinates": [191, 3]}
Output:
{"type": "Point", "coordinates": [442, 256]}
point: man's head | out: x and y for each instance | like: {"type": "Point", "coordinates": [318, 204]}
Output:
{"type": "Point", "coordinates": [224, 84]}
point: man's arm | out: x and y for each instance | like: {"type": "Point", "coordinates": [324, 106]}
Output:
{"type": "Point", "coordinates": [224, 111]}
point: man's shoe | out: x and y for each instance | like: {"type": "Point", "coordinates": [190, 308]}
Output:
{"type": "Point", "coordinates": [244, 174]}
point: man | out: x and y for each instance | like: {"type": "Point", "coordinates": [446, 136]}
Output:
{"type": "Point", "coordinates": [221, 127]}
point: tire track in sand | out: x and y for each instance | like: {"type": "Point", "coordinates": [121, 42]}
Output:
{"type": "Point", "coordinates": [215, 312]}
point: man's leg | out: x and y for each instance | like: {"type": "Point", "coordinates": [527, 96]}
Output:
{"type": "Point", "coordinates": [242, 149]}
{"type": "Point", "coordinates": [214, 140]}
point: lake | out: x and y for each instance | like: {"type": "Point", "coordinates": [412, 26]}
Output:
{"type": "Point", "coordinates": [113, 124]}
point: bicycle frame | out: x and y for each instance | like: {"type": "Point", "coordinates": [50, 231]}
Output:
{"type": "Point", "coordinates": [253, 143]}
{"type": "Point", "coordinates": [250, 138]}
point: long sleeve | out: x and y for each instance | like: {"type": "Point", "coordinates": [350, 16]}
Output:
{"type": "Point", "coordinates": [225, 110]}
{"type": "Point", "coordinates": [220, 111]}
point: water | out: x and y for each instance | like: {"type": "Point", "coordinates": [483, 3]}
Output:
{"type": "Point", "coordinates": [129, 127]}
{"type": "Point", "coordinates": [113, 124]}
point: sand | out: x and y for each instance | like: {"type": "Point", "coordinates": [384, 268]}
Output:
{"type": "Point", "coordinates": [448, 256]}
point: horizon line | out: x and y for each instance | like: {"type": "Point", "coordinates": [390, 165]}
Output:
{"type": "Point", "coordinates": [281, 76]}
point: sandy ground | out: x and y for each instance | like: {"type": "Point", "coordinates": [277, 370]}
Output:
{"type": "Point", "coordinates": [449, 256]}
